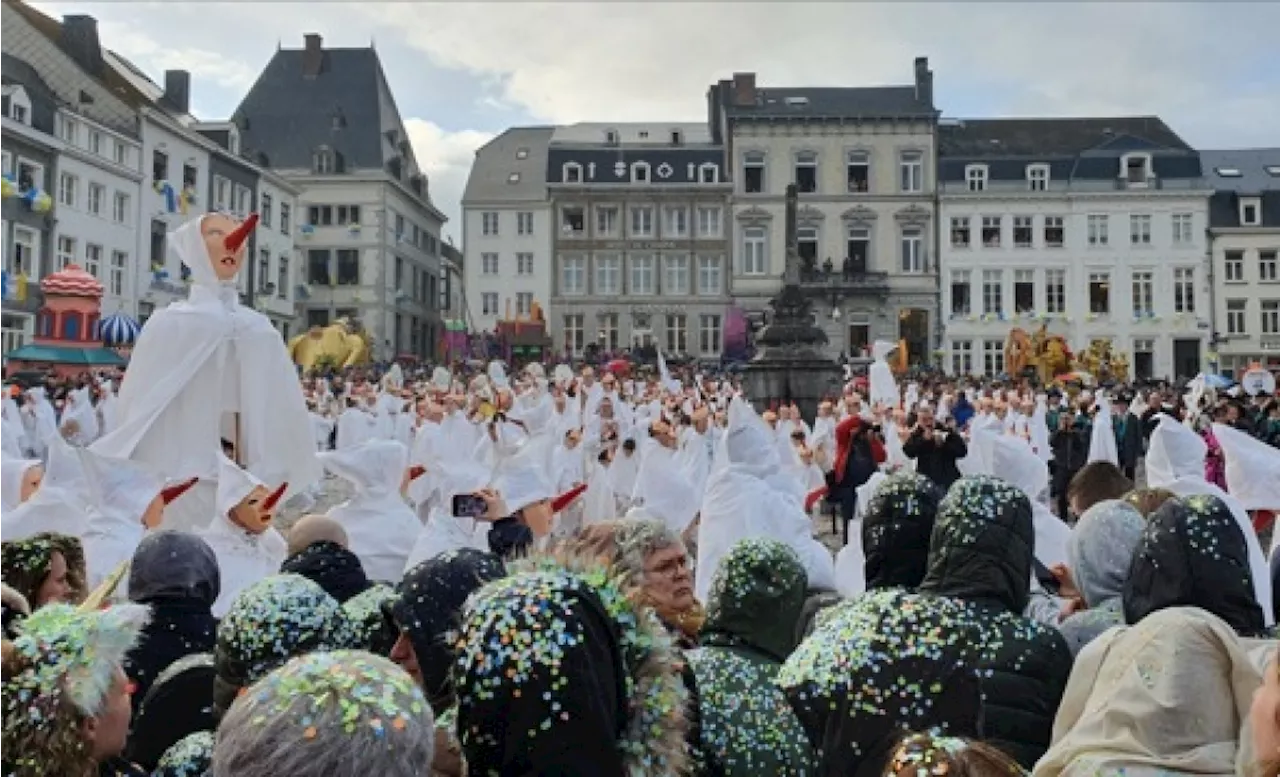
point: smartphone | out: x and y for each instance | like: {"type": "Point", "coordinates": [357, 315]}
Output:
{"type": "Point", "coordinates": [487, 410]}
{"type": "Point", "coordinates": [468, 506]}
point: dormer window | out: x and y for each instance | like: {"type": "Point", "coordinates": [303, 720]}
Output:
{"type": "Point", "coordinates": [324, 162]}
{"type": "Point", "coordinates": [233, 140]}
{"type": "Point", "coordinates": [709, 172]}
{"type": "Point", "coordinates": [640, 172]}
{"type": "Point", "coordinates": [1250, 211]}
{"type": "Point", "coordinates": [572, 173]}
{"type": "Point", "coordinates": [611, 137]}
{"type": "Point", "coordinates": [677, 137]}
{"type": "Point", "coordinates": [19, 104]}
{"type": "Point", "coordinates": [1135, 169]}
{"type": "Point", "coordinates": [522, 153]}
{"type": "Point", "coordinates": [1038, 178]}
{"type": "Point", "coordinates": [975, 177]}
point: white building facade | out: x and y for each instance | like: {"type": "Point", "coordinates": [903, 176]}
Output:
{"type": "Point", "coordinates": [98, 194]}
{"type": "Point", "coordinates": [507, 229]}
{"type": "Point", "coordinates": [1244, 223]}
{"type": "Point", "coordinates": [277, 270]}
{"type": "Point", "coordinates": [1091, 228]}
{"type": "Point", "coordinates": [862, 160]}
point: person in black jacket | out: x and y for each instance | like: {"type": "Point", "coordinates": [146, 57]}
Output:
{"type": "Point", "coordinates": [935, 449]}
{"type": "Point", "coordinates": [1128, 433]}
{"type": "Point", "coordinates": [859, 452]}
{"type": "Point", "coordinates": [981, 556]}
{"type": "Point", "coordinates": [896, 528]}
{"type": "Point", "coordinates": [1070, 445]}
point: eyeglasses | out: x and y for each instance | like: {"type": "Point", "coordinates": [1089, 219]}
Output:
{"type": "Point", "coordinates": [670, 568]}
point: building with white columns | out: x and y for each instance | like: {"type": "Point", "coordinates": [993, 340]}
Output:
{"type": "Point", "coordinates": [1095, 228]}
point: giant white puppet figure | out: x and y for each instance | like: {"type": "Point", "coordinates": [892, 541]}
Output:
{"type": "Point", "coordinates": [208, 369]}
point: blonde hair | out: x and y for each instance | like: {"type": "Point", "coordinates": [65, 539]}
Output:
{"type": "Point", "coordinates": [919, 754]}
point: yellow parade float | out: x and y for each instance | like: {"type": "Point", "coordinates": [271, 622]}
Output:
{"type": "Point", "coordinates": [339, 345]}
{"type": "Point", "coordinates": [1051, 359]}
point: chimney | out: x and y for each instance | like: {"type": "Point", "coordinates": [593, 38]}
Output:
{"type": "Point", "coordinates": [312, 55]}
{"type": "Point", "coordinates": [744, 89]}
{"type": "Point", "coordinates": [924, 81]}
{"type": "Point", "coordinates": [80, 41]}
{"type": "Point", "coordinates": [177, 90]}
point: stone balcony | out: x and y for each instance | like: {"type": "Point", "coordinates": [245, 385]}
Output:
{"type": "Point", "coordinates": [820, 282]}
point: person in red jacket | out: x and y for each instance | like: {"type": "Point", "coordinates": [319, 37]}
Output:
{"type": "Point", "coordinates": [859, 453]}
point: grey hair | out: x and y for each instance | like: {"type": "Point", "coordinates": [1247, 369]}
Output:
{"type": "Point", "coordinates": [343, 712]}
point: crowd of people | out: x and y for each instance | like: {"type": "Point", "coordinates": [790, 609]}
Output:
{"type": "Point", "coordinates": [564, 572]}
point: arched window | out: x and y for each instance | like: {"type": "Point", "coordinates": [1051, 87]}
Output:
{"type": "Point", "coordinates": [71, 325]}
{"type": "Point", "coordinates": [323, 162]}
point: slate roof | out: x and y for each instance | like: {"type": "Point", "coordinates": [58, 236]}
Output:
{"type": "Point", "coordinates": [867, 102]}
{"type": "Point", "coordinates": [286, 116]}
{"type": "Point", "coordinates": [1056, 137]}
{"type": "Point", "coordinates": [495, 162]}
{"type": "Point", "coordinates": [44, 102]}
{"type": "Point", "coordinates": [1252, 164]}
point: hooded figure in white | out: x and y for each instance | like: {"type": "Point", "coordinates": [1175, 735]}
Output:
{"type": "Point", "coordinates": [206, 369]}
{"type": "Point", "coordinates": [378, 522]}
{"type": "Point", "coordinates": [13, 472]}
{"type": "Point", "coordinates": [1014, 462]}
{"type": "Point", "coordinates": [108, 411]}
{"type": "Point", "coordinates": [61, 505]}
{"type": "Point", "coordinates": [246, 553]}
{"type": "Point", "coordinates": [122, 493]}
{"type": "Point", "coordinates": [1252, 471]}
{"type": "Point", "coordinates": [41, 421]}
{"type": "Point", "coordinates": [79, 419]}
{"type": "Point", "coordinates": [444, 531]}
{"type": "Point", "coordinates": [1175, 461]}
{"type": "Point", "coordinates": [746, 499]}
{"type": "Point", "coordinates": [883, 387]}
{"type": "Point", "coordinates": [663, 492]}
{"type": "Point", "coordinates": [1102, 440]}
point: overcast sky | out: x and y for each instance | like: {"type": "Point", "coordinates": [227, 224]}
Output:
{"type": "Point", "coordinates": [461, 72]}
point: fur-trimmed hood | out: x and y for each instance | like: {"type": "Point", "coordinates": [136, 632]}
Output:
{"type": "Point", "coordinates": [616, 696]}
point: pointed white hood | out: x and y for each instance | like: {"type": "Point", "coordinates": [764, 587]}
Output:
{"type": "Point", "coordinates": [121, 491]}
{"type": "Point", "coordinates": [12, 471]}
{"type": "Point", "coordinates": [1018, 465]}
{"type": "Point", "coordinates": [188, 243]}
{"type": "Point", "coordinates": [1102, 439]}
{"type": "Point", "coordinates": [374, 467]}
{"type": "Point", "coordinates": [62, 503]}
{"type": "Point", "coordinates": [1252, 469]}
{"type": "Point", "coordinates": [377, 520]}
{"type": "Point", "coordinates": [234, 484]}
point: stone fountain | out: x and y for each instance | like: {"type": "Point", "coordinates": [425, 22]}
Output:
{"type": "Point", "coordinates": [791, 362]}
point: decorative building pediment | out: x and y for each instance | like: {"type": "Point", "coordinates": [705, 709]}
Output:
{"type": "Point", "coordinates": [913, 214]}
{"type": "Point", "coordinates": [809, 215]}
{"type": "Point", "coordinates": [754, 214]}
{"type": "Point", "coordinates": [859, 213]}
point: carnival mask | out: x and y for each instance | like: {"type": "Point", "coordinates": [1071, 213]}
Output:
{"type": "Point", "coordinates": [255, 512]}
{"type": "Point", "coordinates": [225, 241]}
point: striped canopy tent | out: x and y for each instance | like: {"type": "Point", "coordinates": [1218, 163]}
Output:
{"type": "Point", "coordinates": [119, 330]}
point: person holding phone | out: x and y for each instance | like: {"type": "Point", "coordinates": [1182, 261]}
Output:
{"type": "Point", "coordinates": [935, 448]}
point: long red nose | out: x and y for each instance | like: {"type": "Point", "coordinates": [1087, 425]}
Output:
{"type": "Point", "coordinates": [275, 497]}
{"type": "Point", "coordinates": [241, 233]}
{"type": "Point", "coordinates": [566, 499]}
{"type": "Point", "coordinates": [173, 492]}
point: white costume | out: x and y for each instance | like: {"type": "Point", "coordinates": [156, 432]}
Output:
{"type": "Point", "coordinates": [244, 558]}
{"type": "Point", "coordinates": [380, 526]}
{"type": "Point", "coordinates": [121, 491]}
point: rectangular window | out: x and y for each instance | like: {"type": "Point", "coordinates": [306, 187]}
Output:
{"type": "Point", "coordinates": [1234, 266]}
{"type": "Point", "coordinates": [1143, 293]}
{"type": "Point", "coordinates": [753, 180]}
{"type": "Point", "coordinates": [265, 210]}
{"type": "Point", "coordinates": [677, 333]}
{"type": "Point", "coordinates": [993, 291]}
{"type": "Point", "coordinates": [222, 197]}
{"type": "Point", "coordinates": [1098, 227]}
{"type": "Point", "coordinates": [159, 165]}
{"type": "Point", "coordinates": [93, 259]}
{"type": "Point", "coordinates": [641, 275]}
{"type": "Point", "coordinates": [1024, 291]}
{"type": "Point", "coordinates": [524, 223]}
{"type": "Point", "coordinates": [318, 267]}
{"type": "Point", "coordinates": [6, 162]}
{"type": "Point", "coordinates": [675, 221]}
{"type": "Point", "coordinates": [573, 275]}
{"type": "Point", "coordinates": [67, 189]}
{"type": "Point", "coordinates": [1267, 266]}
{"type": "Point", "coordinates": [97, 197]}
{"type": "Point", "coordinates": [282, 278]}
{"type": "Point", "coordinates": [676, 280]}
{"type": "Point", "coordinates": [489, 223]}
{"type": "Point", "coordinates": [1182, 229]}
{"type": "Point", "coordinates": [709, 220]}
{"type": "Point", "coordinates": [573, 220]}
{"type": "Point", "coordinates": [960, 231]}
{"type": "Point", "coordinates": [806, 172]}
{"type": "Point", "coordinates": [608, 275]}
{"type": "Point", "coordinates": [1055, 234]}
{"type": "Point", "coordinates": [1249, 210]}
{"type": "Point", "coordinates": [30, 175]}
{"type": "Point", "coordinates": [26, 250]}
{"type": "Point", "coordinates": [1235, 316]}
{"type": "Point", "coordinates": [975, 178]}
{"type": "Point", "coordinates": [607, 221]}
{"type": "Point", "coordinates": [913, 253]}
{"type": "Point", "coordinates": [489, 303]}
{"type": "Point", "coordinates": [121, 153]}
{"type": "Point", "coordinates": [1139, 230]}
{"type": "Point", "coordinates": [1100, 293]}
{"type": "Point", "coordinates": [709, 334]}
{"type": "Point", "coordinates": [642, 221]}
{"type": "Point", "coordinates": [961, 292]}
{"type": "Point", "coordinates": [1023, 231]}
{"type": "Point", "coordinates": [858, 250]}
{"type": "Point", "coordinates": [858, 172]}
{"type": "Point", "coordinates": [1038, 178]}
{"type": "Point", "coordinates": [1271, 316]}
{"type": "Point", "coordinates": [574, 337]}
{"type": "Point", "coordinates": [120, 208]}
{"type": "Point", "coordinates": [962, 357]}
{"type": "Point", "coordinates": [285, 215]}
{"type": "Point", "coordinates": [609, 331]}
{"type": "Point", "coordinates": [119, 265]}
{"type": "Point", "coordinates": [68, 130]}
{"type": "Point", "coordinates": [992, 357]}
{"type": "Point", "coordinates": [189, 175]}
{"type": "Point", "coordinates": [807, 244]}
{"type": "Point", "coordinates": [349, 214]}
{"type": "Point", "coordinates": [709, 283]}
{"type": "Point", "coordinates": [1055, 291]}
{"type": "Point", "coordinates": [66, 252]}
{"type": "Point", "coordinates": [524, 303]}
{"type": "Point", "coordinates": [1184, 290]}
{"type": "Point", "coordinates": [264, 269]}
{"type": "Point", "coordinates": [1144, 358]}
{"type": "Point", "coordinates": [524, 263]}
{"type": "Point", "coordinates": [488, 263]}
{"type": "Point", "coordinates": [991, 229]}
{"type": "Point", "coordinates": [755, 251]}
{"type": "Point", "coordinates": [348, 267]}
{"type": "Point", "coordinates": [911, 171]}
